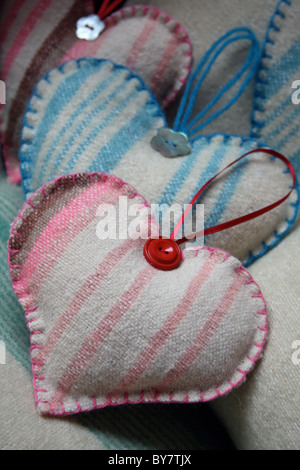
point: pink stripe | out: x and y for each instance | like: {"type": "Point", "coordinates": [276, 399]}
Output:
{"type": "Point", "coordinates": [76, 52]}
{"type": "Point", "coordinates": [157, 342]}
{"type": "Point", "coordinates": [8, 22]}
{"type": "Point", "coordinates": [102, 331]}
{"type": "Point", "coordinates": [71, 213]}
{"type": "Point", "coordinates": [205, 334]}
{"type": "Point", "coordinates": [27, 28]}
{"type": "Point", "coordinates": [140, 43]}
{"type": "Point", "coordinates": [87, 289]}
{"type": "Point", "coordinates": [163, 64]}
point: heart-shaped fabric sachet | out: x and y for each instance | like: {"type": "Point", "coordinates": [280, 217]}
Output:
{"type": "Point", "coordinates": [93, 115]}
{"type": "Point", "coordinates": [106, 327]}
{"type": "Point", "coordinates": [148, 42]}
{"type": "Point", "coordinates": [39, 35]}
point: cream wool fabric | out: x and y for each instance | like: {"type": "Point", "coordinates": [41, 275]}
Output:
{"type": "Point", "coordinates": [39, 35]}
{"type": "Point", "coordinates": [95, 115]}
{"type": "Point", "coordinates": [106, 327]}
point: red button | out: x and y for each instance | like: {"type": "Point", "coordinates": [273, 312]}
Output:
{"type": "Point", "coordinates": [163, 253]}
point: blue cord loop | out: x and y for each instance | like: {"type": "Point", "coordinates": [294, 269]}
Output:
{"type": "Point", "coordinates": [246, 72]}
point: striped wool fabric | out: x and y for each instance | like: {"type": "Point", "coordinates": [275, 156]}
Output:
{"type": "Point", "coordinates": [92, 115]}
{"type": "Point", "coordinates": [106, 327]}
{"type": "Point", "coordinates": [275, 116]}
{"type": "Point", "coordinates": [39, 35]}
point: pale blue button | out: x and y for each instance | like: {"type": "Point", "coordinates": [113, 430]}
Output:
{"type": "Point", "coordinates": [170, 143]}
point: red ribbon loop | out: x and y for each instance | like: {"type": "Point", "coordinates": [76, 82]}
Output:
{"type": "Point", "coordinates": [108, 7]}
{"type": "Point", "coordinates": [238, 220]}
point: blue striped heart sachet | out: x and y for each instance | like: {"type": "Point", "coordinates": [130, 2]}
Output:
{"type": "Point", "coordinates": [93, 115]}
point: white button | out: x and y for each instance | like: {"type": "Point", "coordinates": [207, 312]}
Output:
{"type": "Point", "coordinates": [89, 27]}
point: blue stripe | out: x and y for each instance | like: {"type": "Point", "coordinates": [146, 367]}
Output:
{"type": "Point", "coordinates": [281, 72]}
{"type": "Point", "coordinates": [211, 168]}
{"type": "Point", "coordinates": [97, 130]}
{"type": "Point", "coordinates": [283, 124]}
{"type": "Point", "coordinates": [183, 172]}
{"type": "Point", "coordinates": [285, 140]}
{"type": "Point", "coordinates": [5, 215]}
{"type": "Point", "coordinates": [93, 134]}
{"type": "Point", "coordinates": [70, 122]}
{"type": "Point", "coordinates": [295, 159]}
{"type": "Point", "coordinates": [66, 92]}
{"type": "Point", "coordinates": [277, 111]}
{"type": "Point", "coordinates": [133, 131]}
{"type": "Point", "coordinates": [228, 191]}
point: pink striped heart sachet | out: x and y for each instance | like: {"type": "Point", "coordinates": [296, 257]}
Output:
{"type": "Point", "coordinates": [109, 328]}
